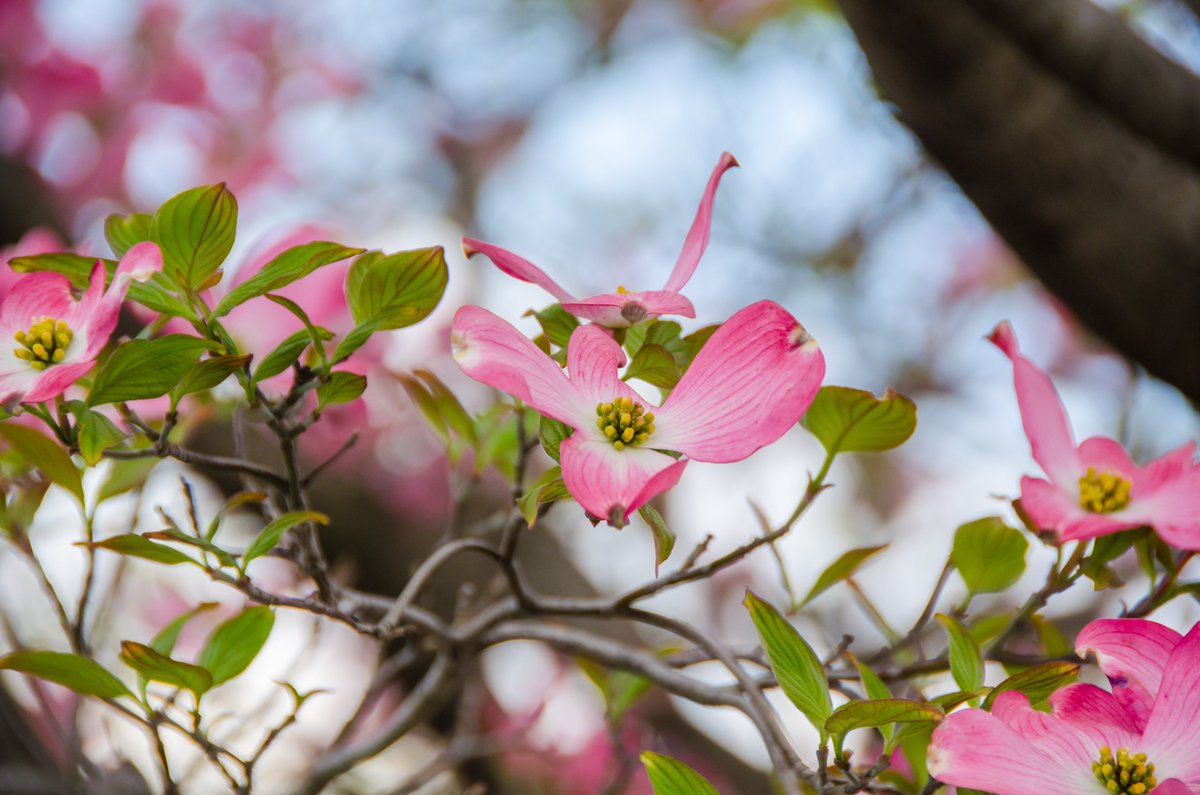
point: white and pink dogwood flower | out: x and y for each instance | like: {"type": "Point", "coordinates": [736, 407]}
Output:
{"type": "Point", "coordinates": [48, 339]}
{"type": "Point", "coordinates": [623, 308]}
{"type": "Point", "coordinates": [1140, 738]}
{"type": "Point", "coordinates": [1094, 489]}
{"type": "Point", "coordinates": [749, 384]}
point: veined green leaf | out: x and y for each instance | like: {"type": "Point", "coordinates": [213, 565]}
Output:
{"type": "Point", "coordinates": [989, 554]}
{"type": "Point", "coordinates": [396, 290]}
{"type": "Point", "coordinates": [966, 661]}
{"type": "Point", "coordinates": [80, 674]}
{"type": "Point", "coordinates": [46, 455]}
{"type": "Point", "coordinates": [269, 536]}
{"type": "Point", "coordinates": [671, 777]}
{"type": "Point", "coordinates": [142, 369]}
{"type": "Point", "coordinates": [840, 569]}
{"type": "Point", "coordinates": [195, 231]}
{"type": "Point", "coordinates": [849, 420]}
{"type": "Point", "coordinates": [797, 667]}
{"type": "Point", "coordinates": [158, 667]}
{"type": "Point", "coordinates": [234, 644]}
{"type": "Point", "coordinates": [289, 266]}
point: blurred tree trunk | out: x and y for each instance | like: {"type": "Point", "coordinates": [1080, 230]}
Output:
{"type": "Point", "coordinates": [1079, 143]}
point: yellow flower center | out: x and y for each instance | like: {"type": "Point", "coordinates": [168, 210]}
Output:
{"type": "Point", "coordinates": [44, 344]}
{"type": "Point", "coordinates": [1127, 773]}
{"type": "Point", "coordinates": [1104, 492]}
{"type": "Point", "coordinates": [625, 422]}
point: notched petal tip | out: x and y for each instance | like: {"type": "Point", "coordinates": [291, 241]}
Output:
{"type": "Point", "coordinates": [618, 516]}
{"type": "Point", "coordinates": [1003, 337]}
{"type": "Point", "coordinates": [799, 337]}
{"type": "Point", "coordinates": [470, 247]}
{"type": "Point", "coordinates": [728, 161]}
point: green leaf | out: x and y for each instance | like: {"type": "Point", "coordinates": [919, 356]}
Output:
{"type": "Point", "coordinates": [849, 420]}
{"type": "Point", "coordinates": [1105, 550]}
{"type": "Point", "coordinates": [269, 536]}
{"type": "Point", "coordinates": [175, 534]}
{"type": "Point", "coordinates": [123, 232]}
{"type": "Point", "coordinates": [46, 455]}
{"type": "Point", "coordinates": [80, 674]}
{"type": "Point", "coordinates": [797, 668]}
{"type": "Point", "coordinates": [195, 231]}
{"type": "Point", "coordinates": [315, 333]}
{"type": "Point", "coordinates": [208, 373]}
{"type": "Point", "coordinates": [989, 554]}
{"type": "Point", "coordinates": [449, 408]}
{"type": "Point", "coordinates": [164, 641]}
{"type": "Point", "coordinates": [1037, 683]}
{"type": "Point", "coordinates": [126, 475]}
{"type": "Point", "coordinates": [136, 546]}
{"type": "Point", "coordinates": [671, 777]}
{"type": "Point", "coordinates": [552, 434]}
{"type": "Point", "coordinates": [284, 356]}
{"type": "Point", "coordinates": [653, 364]}
{"type": "Point", "coordinates": [94, 433]}
{"type": "Point", "coordinates": [142, 369]}
{"type": "Point", "coordinates": [557, 323]}
{"type": "Point", "coordinates": [234, 645]}
{"type": "Point", "coordinates": [883, 712]}
{"type": "Point", "coordinates": [158, 667]}
{"type": "Point", "coordinates": [397, 290]}
{"type": "Point", "coordinates": [876, 690]}
{"type": "Point", "coordinates": [350, 343]}
{"type": "Point", "coordinates": [548, 488]}
{"type": "Point", "coordinates": [664, 537]}
{"type": "Point", "coordinates": [966, 661]}
{"type": "Point", "coordinates": [342, 387]}
{"type": "Point", "coordinates": [840, 569]}
{"type": "Point", "coordinates": [291, 265]}
{"type": "Point", "coordinates": [694, 342]}
{"type": "Point", "coordinates": [1054, 642]}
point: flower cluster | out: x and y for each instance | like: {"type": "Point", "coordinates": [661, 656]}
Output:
{"type": "Point", "coordinates": [1139, 737]}
{"type": "Point", "coordinates": [751, 382]}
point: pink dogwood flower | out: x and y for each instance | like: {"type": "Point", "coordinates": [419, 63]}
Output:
{"type": "Point", "coordinates": [1095, 488]}
{"type": "Point", "coordinates": [1140, 738]}
{"type": "Point", "coordinates": [749, 384]}
{"type": "Point", "coordinates": [623, 308]}
{"type": "Point", "coordinates": [54, 339]}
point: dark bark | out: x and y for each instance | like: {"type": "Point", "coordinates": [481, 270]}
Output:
{"type": "Point", "coordinates": [1035, 110]}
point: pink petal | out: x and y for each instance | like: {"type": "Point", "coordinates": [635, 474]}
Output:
{"type": "Point", "coordinates": [516, 267]}
{"type": "Point", "coordinates": [53, 381]}
{"type": "Point", "coordinates": [1042, 412]}
{"type": "Point", "coordinates": [35, 296]}
{"type": "Point", "coordinates": [1172, 787]}
{"type": "Point", "coordinates": [749, 384]}
{"type": "Point", "coordinates": [1107, 455]}
{"type": "Point", "coordinates": [611, 483]}
{"type": "Point", "coordinates": [490, 350]}
{"type": "Point", "coordinates": [95, 317]}
{"type": "Point", "coordinates": [1083, 722]}
{"type": "Point", "coordinates": [1173, 729]}
{"type": "Point", "coordinates": [140, 262]}
{"type": "Point", "coordinates": [1052, 508]}
{"type": "Point", "coordinates": [697, 237]}
{"type": "Point", "coordinates": [619, 310]}
{"type": "Point", "coordinates": [1133, 653]}
{"type": "Point", "coordinates": [593, 358]}
{"type": "Point", "coordinates": [1167, 468]}
{"type": "Point", "coordinates": [974, 749]}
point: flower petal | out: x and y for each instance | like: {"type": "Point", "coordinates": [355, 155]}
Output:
{"type": "Point", "coordinates": [972, 748]}
{"type": "Point", "coordinates": [1050, 507]}
{"type": "Point", "coordinates": [1167, 468]}
{"type": "Point", "coordinates": [1084, 720]}
{"type": "Point", "coordinates": [697, 237]}
{"type": "Point", "coordinates": [492, 351]}
{"type": "Point", "coordinates": [517, 267]}
{"type": "Point", "coordinates": [593, 358]}
{"type": "Point", "coordinates": [1132, 653]}
{"type": "Point", "coordinates": [1042, 412]}
{"type": "Point", "coordinates": [1107, 455]}
{"type": "Point", "coordinates": [1173, 511]}
{"type": "Point", "coordinates": [53, 381]}
{"type": "Point", "coordinates": [1173, 732]}
{"type": "Point", "coordinates": [611, 483]}
{"type": "Point", "coordinates": [35, 296]}
{"type": "Point", "coordinates": [1172, 787]}
{"type": "Point", "coordinates": [749, 384]}
{"type": "Point", "coordinates": [619, 310]}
